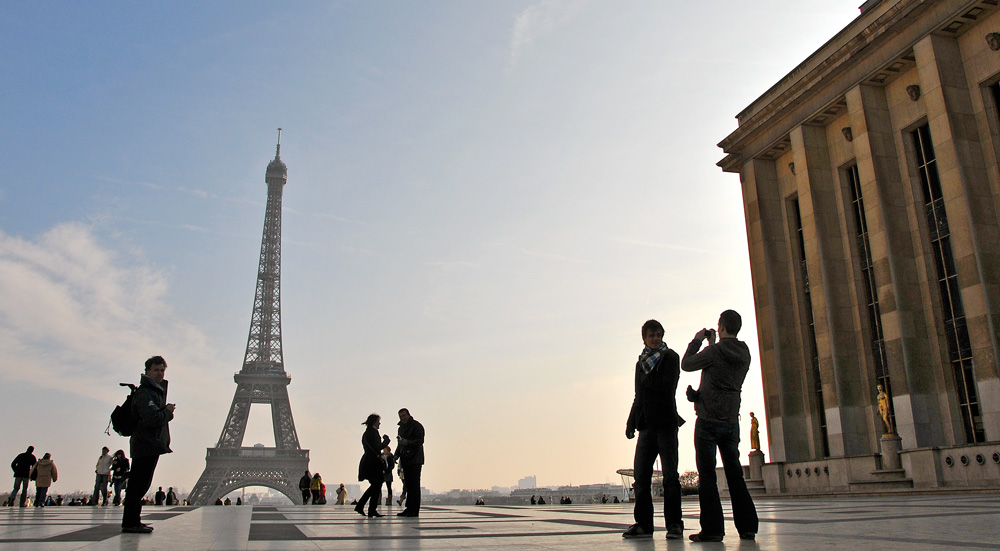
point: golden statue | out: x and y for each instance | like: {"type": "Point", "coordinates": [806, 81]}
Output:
{"type": "Point", "coordinates": [883, 410]}
{"type": "Point", "coordinates": [754, 433]}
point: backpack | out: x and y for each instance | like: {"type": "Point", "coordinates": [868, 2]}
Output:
{"type": "Point", "coordinates": [123, 418]}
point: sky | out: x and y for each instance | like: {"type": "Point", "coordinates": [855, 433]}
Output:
{"type": "Point", "coordinates": [485, 201]}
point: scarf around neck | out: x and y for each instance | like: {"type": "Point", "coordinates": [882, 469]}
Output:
{"type": "Point", "coordinates": [650, 357]}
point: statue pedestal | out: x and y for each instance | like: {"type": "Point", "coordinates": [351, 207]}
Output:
{"type": "Point", "coordinates": [757, 465]}
{"type": "Point", "coordinates": [891, 444]}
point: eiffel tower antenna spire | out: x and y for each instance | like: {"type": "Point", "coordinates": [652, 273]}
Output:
{"type": "Point", "coordinates": [230, 465]}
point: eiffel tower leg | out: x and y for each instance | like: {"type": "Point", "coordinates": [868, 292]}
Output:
{"type": "Point", "coordinates": [236, 422]}
{"type": "Point", "coordinates": [281, 418]}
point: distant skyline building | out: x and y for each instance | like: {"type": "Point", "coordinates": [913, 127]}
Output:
{"type": "Point", "coordinates": [871, 188]}
{"type": "Point", "coordinates": [528, 482]}
{"type": "Point", "coordinates": [230, 465]}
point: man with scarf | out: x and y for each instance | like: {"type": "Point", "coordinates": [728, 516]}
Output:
{"type": "Point", "coordinates": [654, 415]}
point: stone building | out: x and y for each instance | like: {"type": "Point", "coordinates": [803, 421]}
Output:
{"type": "Point", "coordinates": [871, 188]}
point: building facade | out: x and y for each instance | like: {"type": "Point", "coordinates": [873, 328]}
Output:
{"type": "Point", "coordinates": [871, 187]}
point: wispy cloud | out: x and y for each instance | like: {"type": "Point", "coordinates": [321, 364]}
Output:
{"type": "Point", "coordinates": [538, 21]}
{"type": "Point", "coordinates": [551, 256]}
{"type": "Point", "coordinates": [148, 185]}
{"type": "Point", "coordinates": [655, 245]}
{"type": "Point", "coordinates": [74, 314]}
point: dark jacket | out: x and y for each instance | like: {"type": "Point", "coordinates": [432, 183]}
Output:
{"type": "Point", "coordinates": [305, 482]}
{"type": "Point", "coordinates": [119, 468]}
{"type": "Point", "coordinates": [22, 464]}
{"type": "Point", "coordinates": [152, 432]}
{"type": "Point", "coordinates": [388, 464]}
{"type": "Point", "coordinates": [724, 366]}
{"type": "Point", "coordinates": [370, 467]}
{"type": "Point", "coordinates": [411, 449]}
{"type": "Point", "coordinates": [655, 403]}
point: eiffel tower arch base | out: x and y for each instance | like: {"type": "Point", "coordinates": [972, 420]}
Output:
{"type": "Point", "coordinates": [231, 469]}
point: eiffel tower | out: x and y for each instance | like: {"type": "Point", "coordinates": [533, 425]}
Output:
{"type": "Point", "coordinates": [230, 465]}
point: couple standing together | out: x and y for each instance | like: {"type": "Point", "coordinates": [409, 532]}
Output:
{"type": "Point", "coordinates": [724, 366]}
{"type": "Point", "coordinates": [409, 454]}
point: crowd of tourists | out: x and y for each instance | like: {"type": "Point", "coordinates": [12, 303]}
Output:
{"type": "Point", "coordinates": [111, 480]}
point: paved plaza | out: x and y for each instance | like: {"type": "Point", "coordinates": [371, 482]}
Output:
{"type": "Point", "coordinates": [914, 522]}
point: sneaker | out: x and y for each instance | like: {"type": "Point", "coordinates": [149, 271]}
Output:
{"type": "Point", "coordinates": [700, 537]}
{"type": "Point", "coordinates": [748, 536]}
{"type": "Point", "coordinates": [675, 532]}
{"type": "Point", "coordinates": [136, 529]}
{"type": "Point", "coordinates": [636, 531]}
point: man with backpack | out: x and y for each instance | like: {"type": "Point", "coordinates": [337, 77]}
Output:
{"type": "Point", "coordinates": [149, 440]}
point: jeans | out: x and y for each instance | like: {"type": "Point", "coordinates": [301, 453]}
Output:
{"type": "Point", "coordinates": [306, 494]}
{"type": "Point", "coordinates": [140, 479]}
{"type": "Point", "coordinates": [653, 442]}
{"type": "Point", "coordinates": [101, 487]}
{"type": "Point", "coordinates": [709, 436]}
{"type": "Point", "coordinates": [40, 495]}
{"type": "Point", "coordinates": [411, 487]}
{"type": "Point", "coordinates": [118, 484]}
{"type": "Point", "coordinates": [22, 482]}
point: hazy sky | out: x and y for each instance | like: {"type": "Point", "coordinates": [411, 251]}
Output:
{"type": "Point", "coordinates": [485, 201]}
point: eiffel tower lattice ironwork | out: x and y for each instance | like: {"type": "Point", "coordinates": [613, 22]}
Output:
{"type": "Point", "coordinates": [230, 465]}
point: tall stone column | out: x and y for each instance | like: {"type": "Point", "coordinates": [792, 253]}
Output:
{"type": "Point", "coordinates": [902, 306]}
{"type": "Point", "coordinates": [975, 234]}
{"type": "Point", "coordinates": [777, 325]}
{"type": "Point", "coordinates": [834, 294]}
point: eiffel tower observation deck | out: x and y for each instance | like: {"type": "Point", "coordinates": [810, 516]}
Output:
{"type": "Point", "coordinates": [230, 465]}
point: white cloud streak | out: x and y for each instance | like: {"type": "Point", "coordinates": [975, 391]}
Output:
{"type": "Point", "coordinates": [536, 22]}
{"type": "Point", "coordinates": [74, 315]}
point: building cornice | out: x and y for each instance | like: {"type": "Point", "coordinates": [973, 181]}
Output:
{"type": "Point", "coordinates": [861, 51]}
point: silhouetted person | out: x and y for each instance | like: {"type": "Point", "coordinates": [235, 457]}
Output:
{"type": "Point", "coordinates": [410, 454]}
{"type": "Point", "coordinates": [654, 415]}
{"type": "Point", "coordinates": [119, 474]}
{"type": "Point", "coordinates": [304, 484]}
{"type": "Point", "coordinates": [388, 465]}
{"type": "Point", "coordinates": [724, 366]}
{"type": "Point", "coordinates": [21, 465]}
{"type": "Point", "coordinates": [371, 467]}
{"type": "Point", "coordinates": [149, 440]}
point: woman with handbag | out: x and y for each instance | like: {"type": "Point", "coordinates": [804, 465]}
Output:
{"type": "Point", "coordinates": [371, 466]}
{"type": "Point", "coordinates": [44, 473]}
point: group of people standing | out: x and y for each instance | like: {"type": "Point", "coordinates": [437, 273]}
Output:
{"type": "Point", "coordinates": [113, 470]}
{"type": "Point", "coordinates": [378, 461]}
{"type": "Point", "coordinates": [27, 467]}
{"type": "Point", "coordinates": [149, 440]}
{"type": "Point", "coordinates": [724, 366]}
{"type": "Point", "coordinates": [313, 488]}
